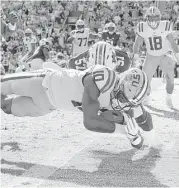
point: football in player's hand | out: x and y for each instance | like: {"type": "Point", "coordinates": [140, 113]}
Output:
{"type": "Point", "coordinates": [113, 116]}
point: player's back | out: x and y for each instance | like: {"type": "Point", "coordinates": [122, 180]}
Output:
{"type": "Point", "coordinates": [63, 87]}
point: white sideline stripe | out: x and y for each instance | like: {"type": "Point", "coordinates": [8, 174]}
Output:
{"type": "Point", "coordinates": [16, 182]}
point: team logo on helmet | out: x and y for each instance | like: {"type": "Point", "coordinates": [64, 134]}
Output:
{"type": "Point", "coordinates": [130, 89]}
{"type": "Point", "coordinates": [153, 16]}
{"type": "Point", "coordinates": [80, 25]}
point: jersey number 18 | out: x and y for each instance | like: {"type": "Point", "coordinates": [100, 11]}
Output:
{"type": "Point", "coordinates": [155, 43]}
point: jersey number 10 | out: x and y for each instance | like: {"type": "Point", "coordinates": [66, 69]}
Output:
{"type": "Point", "coordinates": [155, 43]}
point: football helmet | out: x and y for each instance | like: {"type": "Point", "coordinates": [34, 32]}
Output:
{"type": "Point", "coordinates": [153, 16]}
{"type": "Point", "coordinates": [80, 25]}
{"type": "Point", "coordinates": [45, 43]}
{"type": "Point", "coordinates": [28, 33]}
{"type": "Point", "coordinates": [111, 27]}
{"type": "Point", "coordinates": [102, 53]}
{"type": "Point", "coordinates": [131, 87]}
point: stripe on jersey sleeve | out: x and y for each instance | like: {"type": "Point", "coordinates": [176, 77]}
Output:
{"type": "Point", "coordinates": [109, 82]}
{"type": "Point", "coordinates": [100, 54]}
{"type": "Point", "coordinates": [142, 25]}
{"type": "Point", "coordinates": [96, 61]}
{"type": "Point", "coordinates": [166, 26]}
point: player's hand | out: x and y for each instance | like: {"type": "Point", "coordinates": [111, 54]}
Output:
{"type": "Point", "coordinates": [113, 116]}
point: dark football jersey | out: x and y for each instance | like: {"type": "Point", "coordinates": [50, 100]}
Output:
{"type": "Point", "coordinates": [110, 38]}
{"type": "Point", "coordinates": [123, 61]}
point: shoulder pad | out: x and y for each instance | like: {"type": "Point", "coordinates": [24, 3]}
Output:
{"type": "Point", "coordinates": [140, 28]}
{"type": "Point", "coordinates": [168, 26]}
{"type": "Point", "coordinates": [103, 77]}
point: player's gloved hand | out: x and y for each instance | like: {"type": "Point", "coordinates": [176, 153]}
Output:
{"type": "Point", "coordinates": [133, 132]}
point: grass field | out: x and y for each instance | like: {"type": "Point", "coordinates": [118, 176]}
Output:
{"type": "Point", "coordinates": [57, 151]}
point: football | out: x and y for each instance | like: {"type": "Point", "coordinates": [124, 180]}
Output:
{"type": "Point", "coordinates": [113, 116]}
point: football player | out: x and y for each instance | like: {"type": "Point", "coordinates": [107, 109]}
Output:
{"type": "Point", "coordinates": [40, 92]}
{"type": "Point", "coordinates": [29, 44]}
{"type": "Point", "coordinates": [110, 35]}
{"type": "Point", "coordinates": [104, 54]}
{"type": "Point", "coordinates": [80, 37]}
{"type": "Point", "coordinates": [159, 41]}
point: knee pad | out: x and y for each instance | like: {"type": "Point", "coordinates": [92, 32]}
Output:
{"type": "Point", "coordinates": [145, 121]}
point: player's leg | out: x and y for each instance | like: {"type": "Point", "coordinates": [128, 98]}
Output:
{"type": "Point", "coordinates": [36, 64]}
{"type": "Point", "coordinates": [150, 66]}
{"type": "Point", "coordinates": [167, 65]}
{"type": "Point", "coordinates": [22, 106]}
{"type": "Point", "coordinates": [31, 91]}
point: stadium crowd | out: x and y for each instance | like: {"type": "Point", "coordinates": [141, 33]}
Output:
{"type": "Point", "coordinates": [48, 19]}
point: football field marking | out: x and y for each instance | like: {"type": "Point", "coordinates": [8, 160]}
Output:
{"type": "Point", "coordinates": [34, 182]}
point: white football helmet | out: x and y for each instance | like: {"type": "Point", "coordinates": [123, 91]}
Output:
{"type": "Point", "coordinates": [153, 16]}
{"type": "Point", "coordinates": [28, 33]}
{"type": "Point", "coordinates": [131, 87]}
{"type": "Point", "coordinates": [111, 27]}
{"type": "Point", "coordinates": [80, 25]}
{"type": "Point", "coordinates": [102, 53]}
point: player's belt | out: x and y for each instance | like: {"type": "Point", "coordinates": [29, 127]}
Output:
{"type": "Point", "coordinates": [24, 75]}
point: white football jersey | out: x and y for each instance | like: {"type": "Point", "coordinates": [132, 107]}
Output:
{"type": "Point", "coordinates": [28, 43]}
{"type": "Point", "coordinates": [80, 43]}
{"type": "Point", "coordinates": [66, 85]}
{"type": "Point", "coordinates": [105, 80]}
{"type": "Point", "coordinates": [63, 87]}
{"type": "Point", "coordinates": [155, 39]}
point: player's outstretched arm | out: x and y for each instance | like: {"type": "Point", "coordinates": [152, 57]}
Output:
{"type": "Point", "coordinates": [92, 121]}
